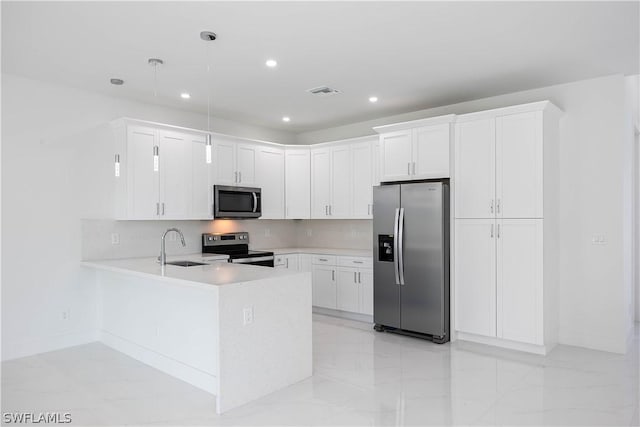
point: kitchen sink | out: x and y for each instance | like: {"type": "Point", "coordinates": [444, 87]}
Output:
{"type": "Point", "coordinates": [186, 263]}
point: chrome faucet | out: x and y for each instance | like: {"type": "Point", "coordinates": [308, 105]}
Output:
{"type": "Point", "coordinates": [163, 255]}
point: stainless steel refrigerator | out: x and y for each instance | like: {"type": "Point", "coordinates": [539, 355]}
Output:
{"type": "Point", "coordinates": [411, 259]}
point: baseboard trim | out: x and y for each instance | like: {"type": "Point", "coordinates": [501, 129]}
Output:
{"type": "Point", "coordinates": [186, 373]}
{"type": "Point", "coordinates": [32, 346]}
{"type": "Point", "coordinates": [343, 314]}
{"type": "Point", "coordinates": [498, 342]}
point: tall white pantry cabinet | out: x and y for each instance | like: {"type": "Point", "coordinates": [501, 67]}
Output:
{"type": "Point", "coordinates": [506, 226]}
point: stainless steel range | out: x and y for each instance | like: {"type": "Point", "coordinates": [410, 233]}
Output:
{"type": "Point", "coordinates": [236, 245]}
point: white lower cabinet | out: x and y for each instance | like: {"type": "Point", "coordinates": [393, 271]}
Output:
{"type": "Point", "coordinates": [519, 280]}
{"type": "Point", "coordinates": [343, 283]}
{"type": "Point", "coordinates": [499, 279]}
{"type": "Point", "coordinates": [324, 286]}
{"type": "Point", "coordinates": [348, 290]}
{"type": "Point", "coordinates": [286, 261]}
{"type": "Point", "coordinates": [475, 276]}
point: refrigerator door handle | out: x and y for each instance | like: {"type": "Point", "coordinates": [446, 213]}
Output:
{"type": "Point", "coordinates": [400, 246]}
{"type": "Point", "coordinates": [395, 246]}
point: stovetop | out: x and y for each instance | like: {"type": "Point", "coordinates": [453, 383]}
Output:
{"type": "Point", "coordinates": [236, 245]}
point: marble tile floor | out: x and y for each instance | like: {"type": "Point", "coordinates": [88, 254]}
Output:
{"type": "Point", "coordinates": [361, 378]}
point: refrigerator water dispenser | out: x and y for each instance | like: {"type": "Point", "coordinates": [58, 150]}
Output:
{"type": "Point", "coordinates": [385, 247]}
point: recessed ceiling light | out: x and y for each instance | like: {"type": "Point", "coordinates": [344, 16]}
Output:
{"type": "Point", "coordinates": [373, 99]}
{"type": "Point", "coordinates": [185, 95]}
{"type": "Point", "coordinates": [271, 63]}
{"type": "Point", "coordinates": [286, 119]}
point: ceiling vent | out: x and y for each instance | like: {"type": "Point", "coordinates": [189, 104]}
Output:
{"type": "Point", "coordinates": [323, 91]}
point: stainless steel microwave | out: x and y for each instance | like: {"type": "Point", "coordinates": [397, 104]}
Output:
{"type": "Point", "coordinates": [236, 202]}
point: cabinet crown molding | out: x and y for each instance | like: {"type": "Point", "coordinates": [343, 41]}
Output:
{"type": "Point", "coordinates": [515, 109]}
{"type": "Point", "coordinates": [124, 121]}
{"type": "Point", "coordinates": [449, 118]}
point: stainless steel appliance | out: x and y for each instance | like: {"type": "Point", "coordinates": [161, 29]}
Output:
{"type": "Point", "coordinates": [236, 202]}
{"type": "Point", "coordinates": [411, 259]}
{"type": "Point", "coordinates": [236, 245]}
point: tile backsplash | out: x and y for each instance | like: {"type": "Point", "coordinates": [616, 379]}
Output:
{"type": "Point", "coordinates": [142, 238]}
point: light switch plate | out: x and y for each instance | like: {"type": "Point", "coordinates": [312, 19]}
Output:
{"type": "Point", "coordinates": [115, 238]}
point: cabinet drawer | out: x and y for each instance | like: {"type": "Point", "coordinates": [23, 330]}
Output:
{"type": "Point", "coordinates": [354, 261]}
{"type": "Point", "coordinates": [324, 259]}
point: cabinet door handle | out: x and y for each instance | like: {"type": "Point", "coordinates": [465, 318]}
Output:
{"type": "Point", "coordinates": [498, 235]}
{"type": "Point", "coordinates": [409, 168]}
{"type": "Point", "coordinates": [323, 259]}
{"type": "Point", "coordinates": [414, 167]}
{"type": "Point", "coordinates": [287, 262]}
{"type": "Point", "coordinates": [498, 207]}
{"type": "Point", "coordinates": [355, 277]}
{"type": "Point", "coordinates": [357, 262]}
{"type": "Point", "coordinates": [235, 177]}
{"type": "Point", "coordinates": [491, 205]}
{"type": "Point", "coordinates": [162, 208]}
{"type": "Point", "coordinates": [333, 275]}
{"type": "Point", "coordinates": [359, 277]}
{"type": "Point", "coordinates": [157, 208]}
{"type": "Point", "coordinates": [492, 231]}
{"type": "Point", "coordinates": [330, 213]}
{"type": "Point", "coordinates": [239, 177]}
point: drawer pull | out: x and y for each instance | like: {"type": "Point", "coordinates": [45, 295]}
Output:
{"type": "Point", "coordinates": [323, 259]}
{"type": "Point", "coordinates": [357, 262]}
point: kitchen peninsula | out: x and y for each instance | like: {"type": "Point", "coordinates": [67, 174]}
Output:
{"type": "Point", "coordinates": [236, 331]}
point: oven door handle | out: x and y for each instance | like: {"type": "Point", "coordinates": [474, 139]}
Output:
{"type": "Point", "coordinates": [250, 260]}
{"type": "Point", "coordinates": [255, 201]}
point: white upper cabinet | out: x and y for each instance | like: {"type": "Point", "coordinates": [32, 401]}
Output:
{"type": "Point", "coordinates": [201, 179]}
{"type": "Point", "coordinates": [163, 173]}
{"type": "Point", "coordinates": [297, 183]}
{"type": "Point", "coordinates": [499, 165]}
{"type": "Point", "coordinates": [395, 155]}
{"type": "Point", "coordinates": [415, 150]}
{"type": "Point", "coordinates": [224, 159]}
{"type": "Point", "coordinates": [270, 171]}
{"type": "Point", "coordinates": [519, 165]}
{"type": "Point", "coordinates": [175, 175]}
{"type": "Point", "coordinates": [235, 162]}
{"type": "Point", "coordinates": [475, 169]}
{"type": "Point", "coordinates": [362, 170]}
{"type": "Point", "coordinates": [431, 147]}
{"type": "Point", "coordinates": [342, 177]}
{"type": "Point", "coordinates": [142, 190]}
{"type": "Point", "coordinates": [320, 182]}
{"type": "Point", "coordinates": [246, 165]}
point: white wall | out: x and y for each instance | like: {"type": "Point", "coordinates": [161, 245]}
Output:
{"type": "Point", "coordinates": [42, 233]}
{"type": "Point", "coordinates": [594, 191]}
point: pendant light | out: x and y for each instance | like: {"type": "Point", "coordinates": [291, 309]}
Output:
{"type": "Point", "coordinates": [208, 36]}
{"type": "Point", "coordinates": [155, 62]}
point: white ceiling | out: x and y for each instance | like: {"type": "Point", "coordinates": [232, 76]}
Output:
{"type": "Point", "coordinates": [412, 55]}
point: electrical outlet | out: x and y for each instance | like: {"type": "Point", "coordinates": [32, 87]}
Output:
{"type": "Point", "coordinates": [247, 314]}
{"type": "Point", "coordinates": [309, 232]}
{"type": "Point", "coordinates": [66, 314]}
{"type": "Point", "coordinates": [598, 239]}
{"type": "Point", "coordinates": [115, 238]}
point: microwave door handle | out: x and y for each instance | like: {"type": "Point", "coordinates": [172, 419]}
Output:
{"type": "Point", "coordinates": [255, 201]}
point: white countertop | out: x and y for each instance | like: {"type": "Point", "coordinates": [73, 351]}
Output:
{"type": "Point", "coordinates": [321, 251]}
{"type": "Point", "coordinates": [216, 274]}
